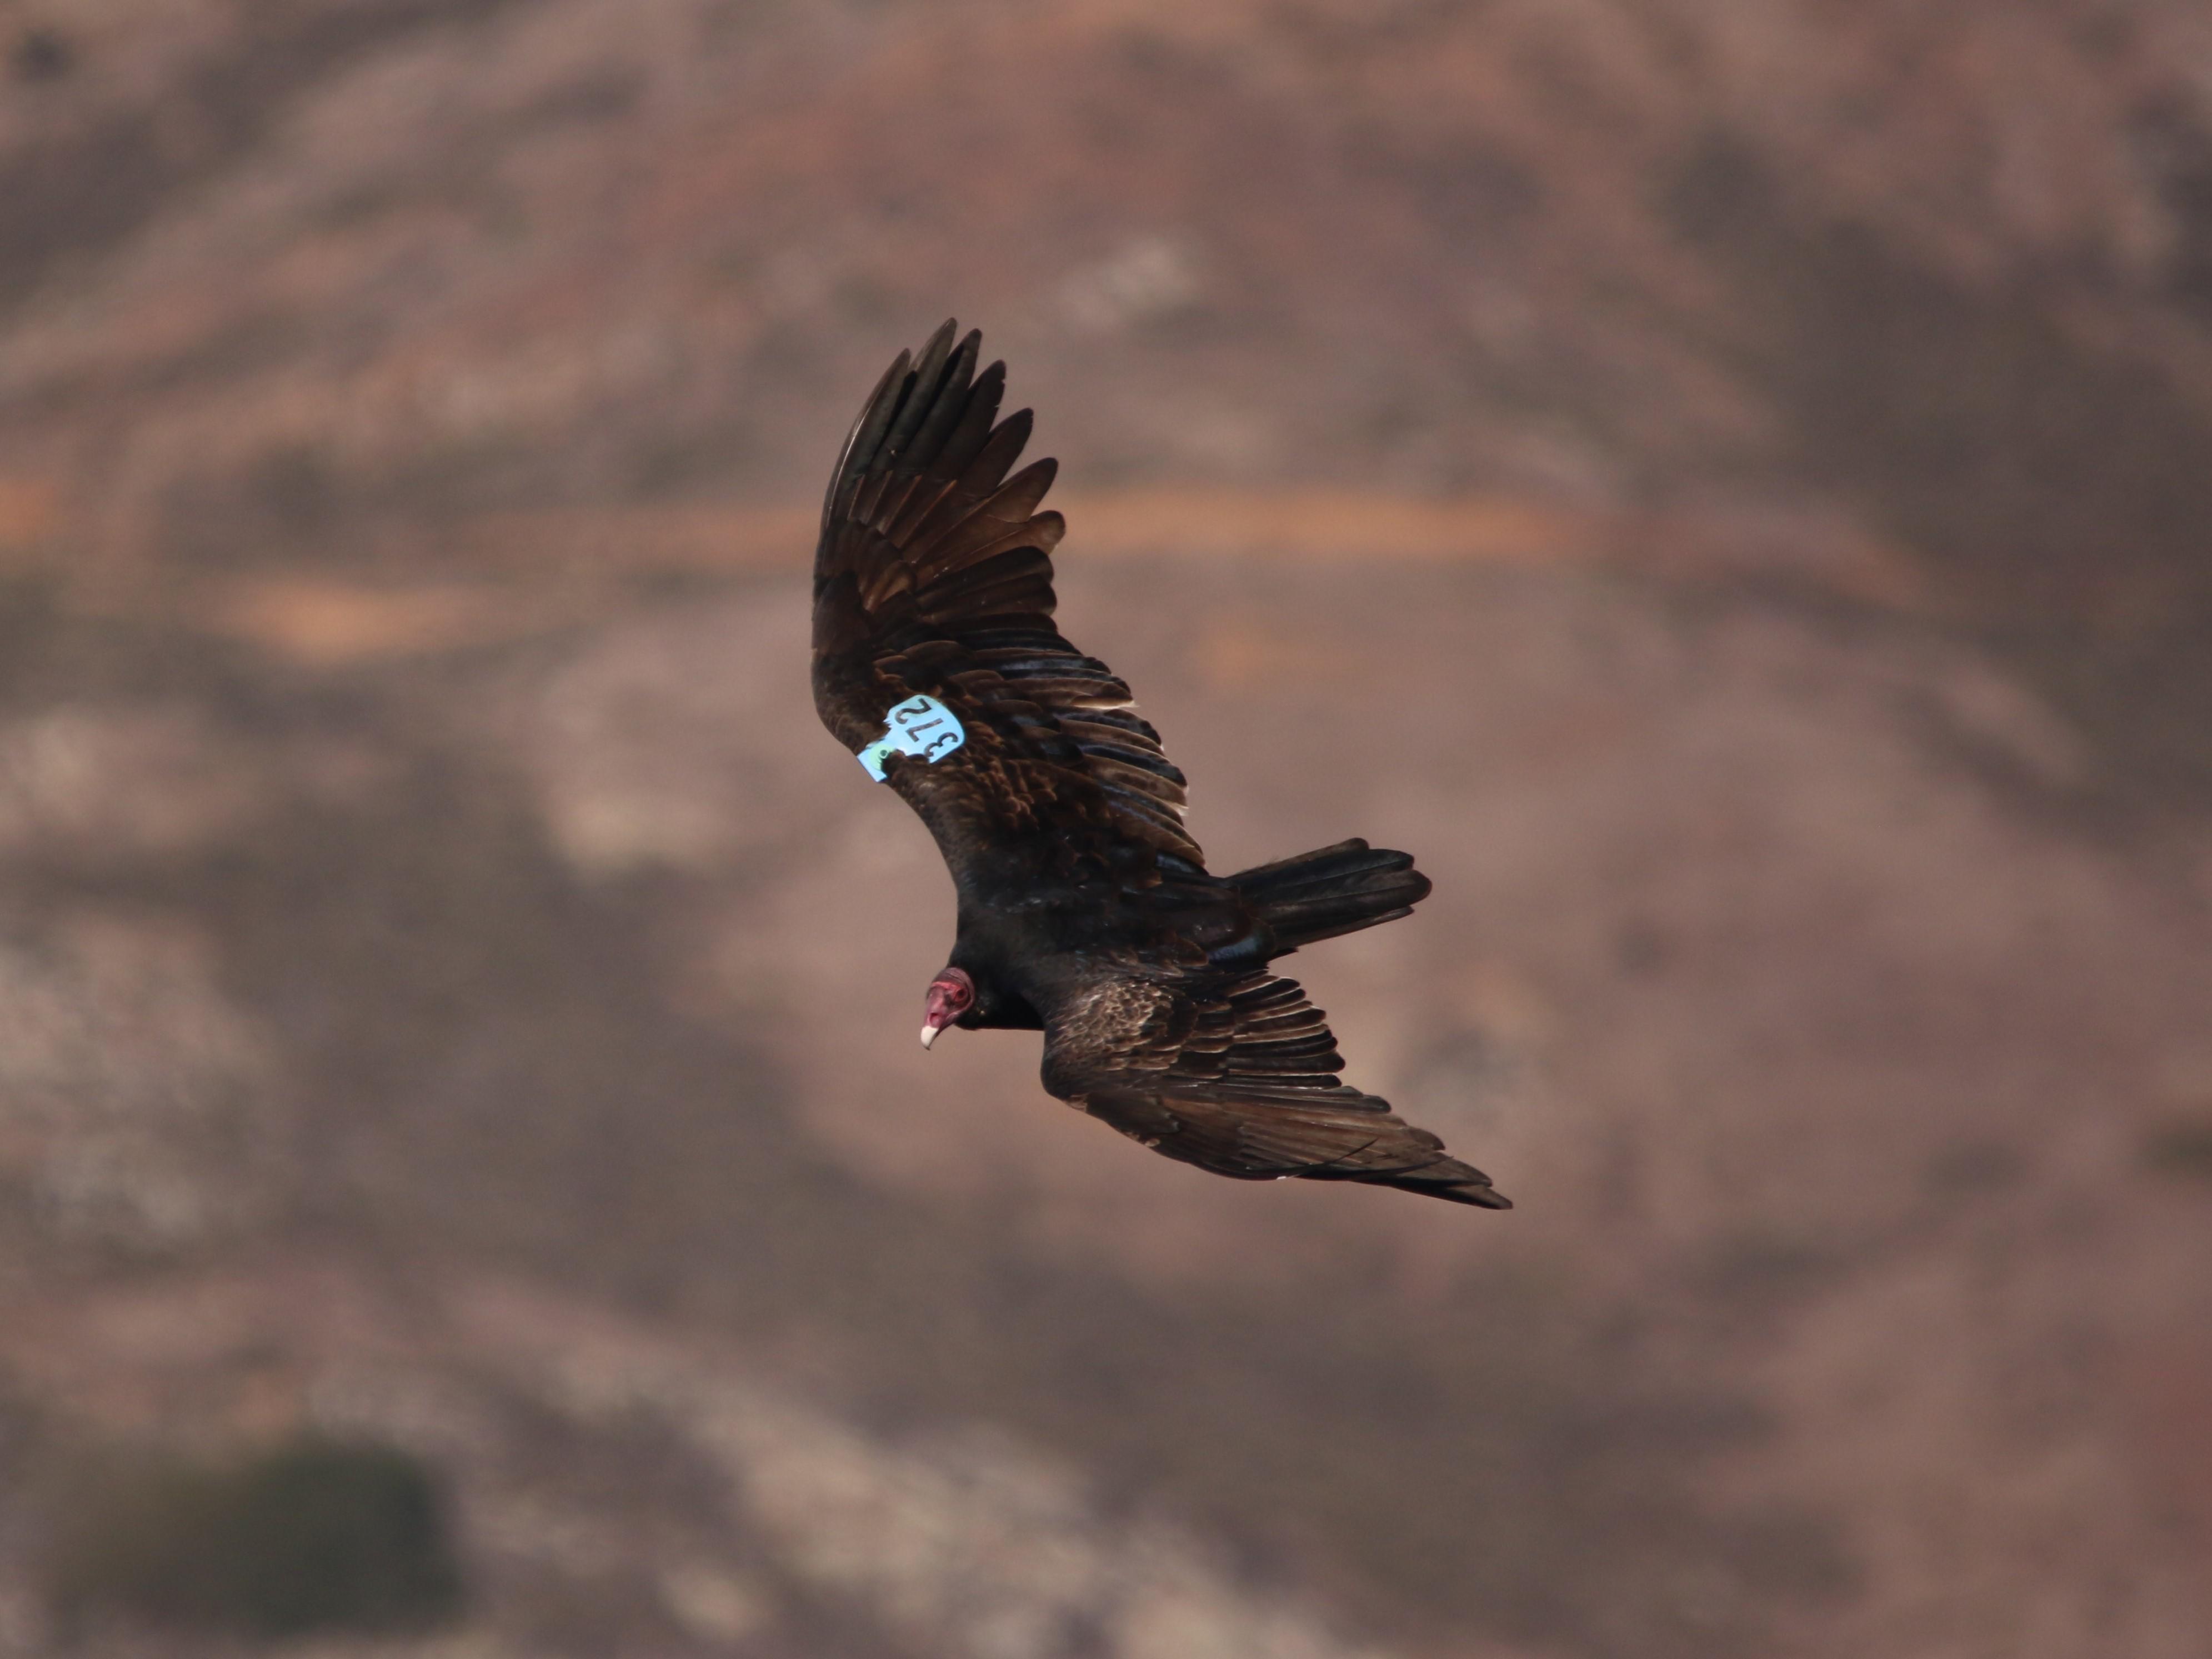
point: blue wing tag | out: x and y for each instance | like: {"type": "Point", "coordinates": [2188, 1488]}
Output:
{"type": "Point", "coordinates": [920, 726]}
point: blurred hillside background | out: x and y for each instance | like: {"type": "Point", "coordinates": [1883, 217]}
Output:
{"type": "Point", "coordinates": [1729, 486]}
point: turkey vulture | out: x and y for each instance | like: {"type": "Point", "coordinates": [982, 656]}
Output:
{"type": "Point", "coordinates": [1086, 911]}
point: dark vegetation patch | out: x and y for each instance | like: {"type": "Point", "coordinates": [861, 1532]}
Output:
{"type": "Point", "coordinates": [1763, 1273]}
{"type": "Point", "coordinates": [2176, 148]}
{"type": "Point", "coordinates": [41, 54]}
{"type": "Point", "coordinates": [2182, 1148]}
{"type": "Point", "coordinates": [312, 1536]}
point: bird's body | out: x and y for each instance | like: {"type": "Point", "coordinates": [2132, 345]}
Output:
{"type": "Point", "coordinates": [1085, 909]}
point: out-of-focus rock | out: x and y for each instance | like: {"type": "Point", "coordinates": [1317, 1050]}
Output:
{"type": "Point", "coordinates": [118, 783]}
{"type": "Point", "coordinates": [139, 1106]}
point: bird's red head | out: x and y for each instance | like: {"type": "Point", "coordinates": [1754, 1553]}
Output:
{"type": "Point", "coordinates": [951, 993]}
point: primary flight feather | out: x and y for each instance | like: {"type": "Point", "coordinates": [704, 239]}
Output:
{"type": "Point", "coordinates": [1085, 909]}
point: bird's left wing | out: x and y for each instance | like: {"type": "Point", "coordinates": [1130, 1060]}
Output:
{"type": "Point", "coordinates": [1240, 1077]}
{"type": "Point", "coordinates": [936, 659]}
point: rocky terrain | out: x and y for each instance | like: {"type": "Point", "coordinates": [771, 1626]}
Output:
{"type": "Point", "coordinates": [1725, 486]}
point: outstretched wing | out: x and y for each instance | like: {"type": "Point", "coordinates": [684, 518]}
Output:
{"type": "Point", "coordinates": [1240, 1077]}
{"type": "Point", "coordinates": [934, 579]}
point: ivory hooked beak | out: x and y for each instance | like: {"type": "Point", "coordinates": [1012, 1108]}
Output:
{"type": "Point", "coordinates": [929, 1034]}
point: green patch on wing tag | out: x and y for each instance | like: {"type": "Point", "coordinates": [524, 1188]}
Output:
{"type": "Point", "coordinates": [920, 726]}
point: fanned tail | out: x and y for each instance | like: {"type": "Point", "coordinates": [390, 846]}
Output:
{"type": "Point", "coordinates": [1335, 890]}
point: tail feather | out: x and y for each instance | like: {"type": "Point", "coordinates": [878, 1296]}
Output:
{"type": "Point", "coordinates": [1333, 890]}
{"type": "Point", "coordinates": [1454, 1182]}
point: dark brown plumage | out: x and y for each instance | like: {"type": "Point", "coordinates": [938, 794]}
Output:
{"type": "Point", "coordinates": [1086, 910]}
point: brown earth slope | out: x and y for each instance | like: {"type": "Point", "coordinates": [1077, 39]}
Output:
{"type": "Point", "coordinates": [1723, 485]}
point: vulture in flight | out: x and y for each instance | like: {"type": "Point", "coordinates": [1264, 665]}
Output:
{"type": "Point", "coordinates": [1085, 909]}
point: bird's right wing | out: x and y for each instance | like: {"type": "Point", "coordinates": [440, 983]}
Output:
{"type": "Point", "coordinates": [1239, 1076]}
